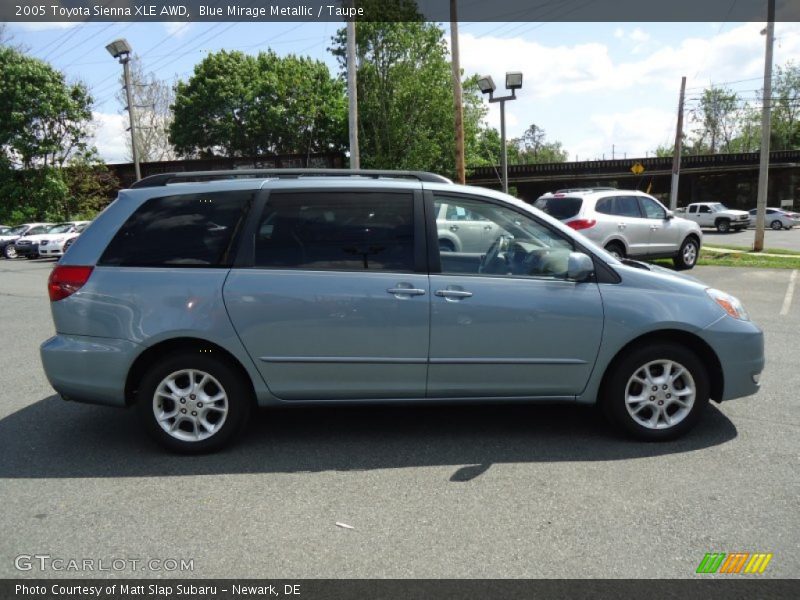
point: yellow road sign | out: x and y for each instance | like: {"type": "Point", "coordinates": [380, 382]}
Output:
{"type": "Point", "coordinates": [637, 168]}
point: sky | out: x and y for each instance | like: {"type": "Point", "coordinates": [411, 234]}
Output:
{"type": "Point", "coordinates": [601, 89]}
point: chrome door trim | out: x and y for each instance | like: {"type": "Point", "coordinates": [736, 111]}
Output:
{"type": "Point", "coordinates": [344, 360]}
{"type": "Point", "coordinates": [507, 361]}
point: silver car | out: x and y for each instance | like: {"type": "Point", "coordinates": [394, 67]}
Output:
{"type": "Point", "coordinates": [776, 218]}
{"type": "Point", "coordinates": [627, 224]}
{"type": "Point", "coordinates": [195, 302]}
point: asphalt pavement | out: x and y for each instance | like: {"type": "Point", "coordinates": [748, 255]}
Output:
{"type": "Point", "coordinates": [472, 492]}
{"type": "Point", "coordinates": [784, 239]}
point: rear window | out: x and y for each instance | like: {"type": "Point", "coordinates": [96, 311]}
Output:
{"type": "Point", "coordinates": [560, 208]}
{"type": "Point", "coordinates": [190, 230]}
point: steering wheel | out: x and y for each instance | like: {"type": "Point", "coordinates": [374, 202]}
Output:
{"type": "Point", "coordinates": [495, 257]}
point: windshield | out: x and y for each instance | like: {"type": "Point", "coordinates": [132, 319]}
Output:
{"type": "Point", "coordinates": [718, 207]}
{"type": "Point", "coordinates": [60, 228]}
{"type": "Point", "coordinates": [19, 230]}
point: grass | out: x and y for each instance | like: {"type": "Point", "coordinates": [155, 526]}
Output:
{"type": "Point", "coordinates": [741, 259]}
{"type": "Point", "coordinates": [749, 249]}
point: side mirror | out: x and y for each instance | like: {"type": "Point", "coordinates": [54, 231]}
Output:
{"type": "Point", "coordinates": [670, 215]}
{"type": "Point", "coordinates": [579, 267]}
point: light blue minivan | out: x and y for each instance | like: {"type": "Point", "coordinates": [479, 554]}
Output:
{"type": "Point", "coordinates": [197, 296]}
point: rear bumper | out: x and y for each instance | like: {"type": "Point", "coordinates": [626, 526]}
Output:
{"type": "Point", "coordinates": [740, 348]}
{"type": "Point", "coordinates": [88, 369]}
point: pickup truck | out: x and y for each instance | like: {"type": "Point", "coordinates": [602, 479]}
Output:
{"type": "Point", "coordinates": [715, 214]}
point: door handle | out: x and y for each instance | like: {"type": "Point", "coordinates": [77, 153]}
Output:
{"type": "Point", "coordinates": [405, 291]}
{"type": "Point", "coordinates": [453, 294]}
{"type": "Point", "coordinates": [453, 227]}
{"type": "Point", "coordinates": [621, 225]}
{"type": "Point", "coordinates": [653, 227]}
{"type": "Point", "coordinates": [488, 227]}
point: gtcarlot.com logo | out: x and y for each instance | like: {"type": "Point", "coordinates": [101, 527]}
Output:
{"type": "Point", "coordinates": [46, 562]}
{"type": "Point", "coordinates": [734, 563]}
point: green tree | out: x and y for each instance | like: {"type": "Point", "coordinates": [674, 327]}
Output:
{"type": "Point", "coordinates": [43, 119]}
{"type": "Point", "coordinates": [405, 93]}
{"type": "Point", "coordinates": [717, 118]}
{"type": "Point", "coordinates": [786, 107]}
{"type": "Point", "coordinates": [241, 105]}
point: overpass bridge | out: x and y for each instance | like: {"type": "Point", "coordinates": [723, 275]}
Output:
{"type": "Point", "coordinates": [728, 178]}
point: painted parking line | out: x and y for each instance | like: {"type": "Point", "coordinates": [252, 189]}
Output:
{"type": "Point", "coordinates": [787, 299]}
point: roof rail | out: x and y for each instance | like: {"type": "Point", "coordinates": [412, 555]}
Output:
{"type": "Point", "coordinates": [164, 178]}
{"type": "Point", "coordinates": [586, 189]}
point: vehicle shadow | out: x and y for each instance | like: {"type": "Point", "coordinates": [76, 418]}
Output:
{"type": "Point", "coordinates": [56, 439]}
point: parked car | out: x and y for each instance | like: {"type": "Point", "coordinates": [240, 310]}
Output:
{"type": "Point", "coordinates": [55, 243]}
{"type": "Point", "coordinates": [717, 215]}
{"type": "Point", "coordinates": [28, 245]}
{"type": "Point", "coordinates": [4, 229]}
{"type": "Point", "coordinates": [460, 230]}
{"type": "Point", "coordinates": [777, 218]}
{"type": "Point", "coordinates": [195, 302]}
{"type": "Point", "coordinates": [8, 239]}
{"type": "Point", "coordinates": [626, 223]}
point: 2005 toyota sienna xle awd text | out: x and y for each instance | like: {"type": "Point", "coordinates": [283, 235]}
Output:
{"type": "Point", "coordinates": [198, 300]}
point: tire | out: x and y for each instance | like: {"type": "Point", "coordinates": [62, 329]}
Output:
{"type": "Point", "coordinates": [723, 225]}
{"type": "Point", "coordinates": [446, 246]}
{"type": "Point", "coordinates": [776, 225]}
{"type": "Point", "coordinates": [647, 420]}
{"type": "Point", "coordinates": [220, 377]}
{"type": "Point", "coordinates": [616, 249]}
{"type": "Point", "coordinates": [687, 255]}
{"type": "Point", "coordinates": [9, 251]}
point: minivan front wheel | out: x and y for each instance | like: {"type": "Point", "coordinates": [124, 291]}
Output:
{"type": "Point", "coordinates": [657, 392]}
{"type": "Point", "coordinates": [193, 403]}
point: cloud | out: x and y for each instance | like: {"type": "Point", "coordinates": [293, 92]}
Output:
{"type": "Point", "coordinates": [177, 29]}
{"type": "Point", "coordinates": [109, 136]}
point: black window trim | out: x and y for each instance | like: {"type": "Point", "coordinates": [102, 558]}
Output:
{"type": "Point", "coordinates": [245, 258]}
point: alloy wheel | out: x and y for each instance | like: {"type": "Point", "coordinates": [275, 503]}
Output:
{"type": "Point", "coordinates": [190, 405]}
{"type": "Point", "coordinates": [660, 394]}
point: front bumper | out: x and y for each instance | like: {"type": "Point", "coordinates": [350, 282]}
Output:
{"type": "Point", "coordinates": [27, 249]}
{"type": "Point", "coordinates": [88, 369]}
{"type": "Point", "coordinates": [51, 251]}
{"type": "Point", "coordinates": [739, 345]}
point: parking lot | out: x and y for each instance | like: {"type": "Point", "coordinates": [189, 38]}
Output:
{"type": "Point", "coordinates": [785, 239]}
{"type": "Point", "coordinates": [430, 492]}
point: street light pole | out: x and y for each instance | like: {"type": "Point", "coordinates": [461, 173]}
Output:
{"type": "Point", "coordinates": [121, 50]}
{"type": "Point", "coordinates": [487, 86]}
{"type": "Point", "coordinates": [352, 94]}
{"type": "Point", "coordinates": [126, 68]}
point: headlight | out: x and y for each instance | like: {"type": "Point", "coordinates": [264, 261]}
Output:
{"type": "Point", "coordinates": [729, 304]}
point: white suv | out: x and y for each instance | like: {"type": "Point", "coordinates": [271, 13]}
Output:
{"type": "Point", "coordinates": [626, 223]}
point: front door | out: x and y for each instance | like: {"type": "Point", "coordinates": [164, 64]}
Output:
{"type": "Point", "coordinates": [335, 305]}
{"type": "Point", "coordinates": [664, 233]}
{"type": "Point", "coordinates": [505, 322]}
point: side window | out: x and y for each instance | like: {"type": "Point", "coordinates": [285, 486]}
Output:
{"type": "Point", "coordinates": [652, 209]}
{"type": "Point", "coordinates": [692, 209]}
{"type": "Point", "coordinates": [190, 230]}
{"type": "Point", "coordinates": [372, 231]}
{"type": "Point", "coordinates": [605, 206]}
{"type": "Point", "coordinates": [511, 244]}
{"type": "Point", "coordinates": [37, 230]}
{"type": "Point", "coordinates": [459, 213]}
{"type": "Point", "coordinates": [627, 206]}
{"type": "Point", "coordinates": [705, 209]}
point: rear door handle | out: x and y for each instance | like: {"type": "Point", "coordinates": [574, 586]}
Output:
{"type": "Point", "coordinates": [621, 225]}
{"type": "Point", "coordinates": [453, 294]}
{"type": "Point", "coordinates": [453, 227]}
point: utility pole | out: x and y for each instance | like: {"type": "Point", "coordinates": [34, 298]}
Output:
{"type": "Point", "coordinates": [352, 94]}
{"type": "Point", "coordinates": [676, 154]}
{"type": "Point", "coordinates": [457, 99]}
{"type": "Point", "coordinates": [766, 113]}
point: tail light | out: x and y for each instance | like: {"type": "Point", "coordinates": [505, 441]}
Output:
{"type": "Point", "coordinates": [66, 280]}
{"type": "Point", "coordinates": [579, 224]}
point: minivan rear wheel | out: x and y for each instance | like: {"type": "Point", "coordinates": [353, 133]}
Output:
{"type": "Point", "coordinates": [657, 392]}
{"type": "Point", "coordinates": [193, 403]}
